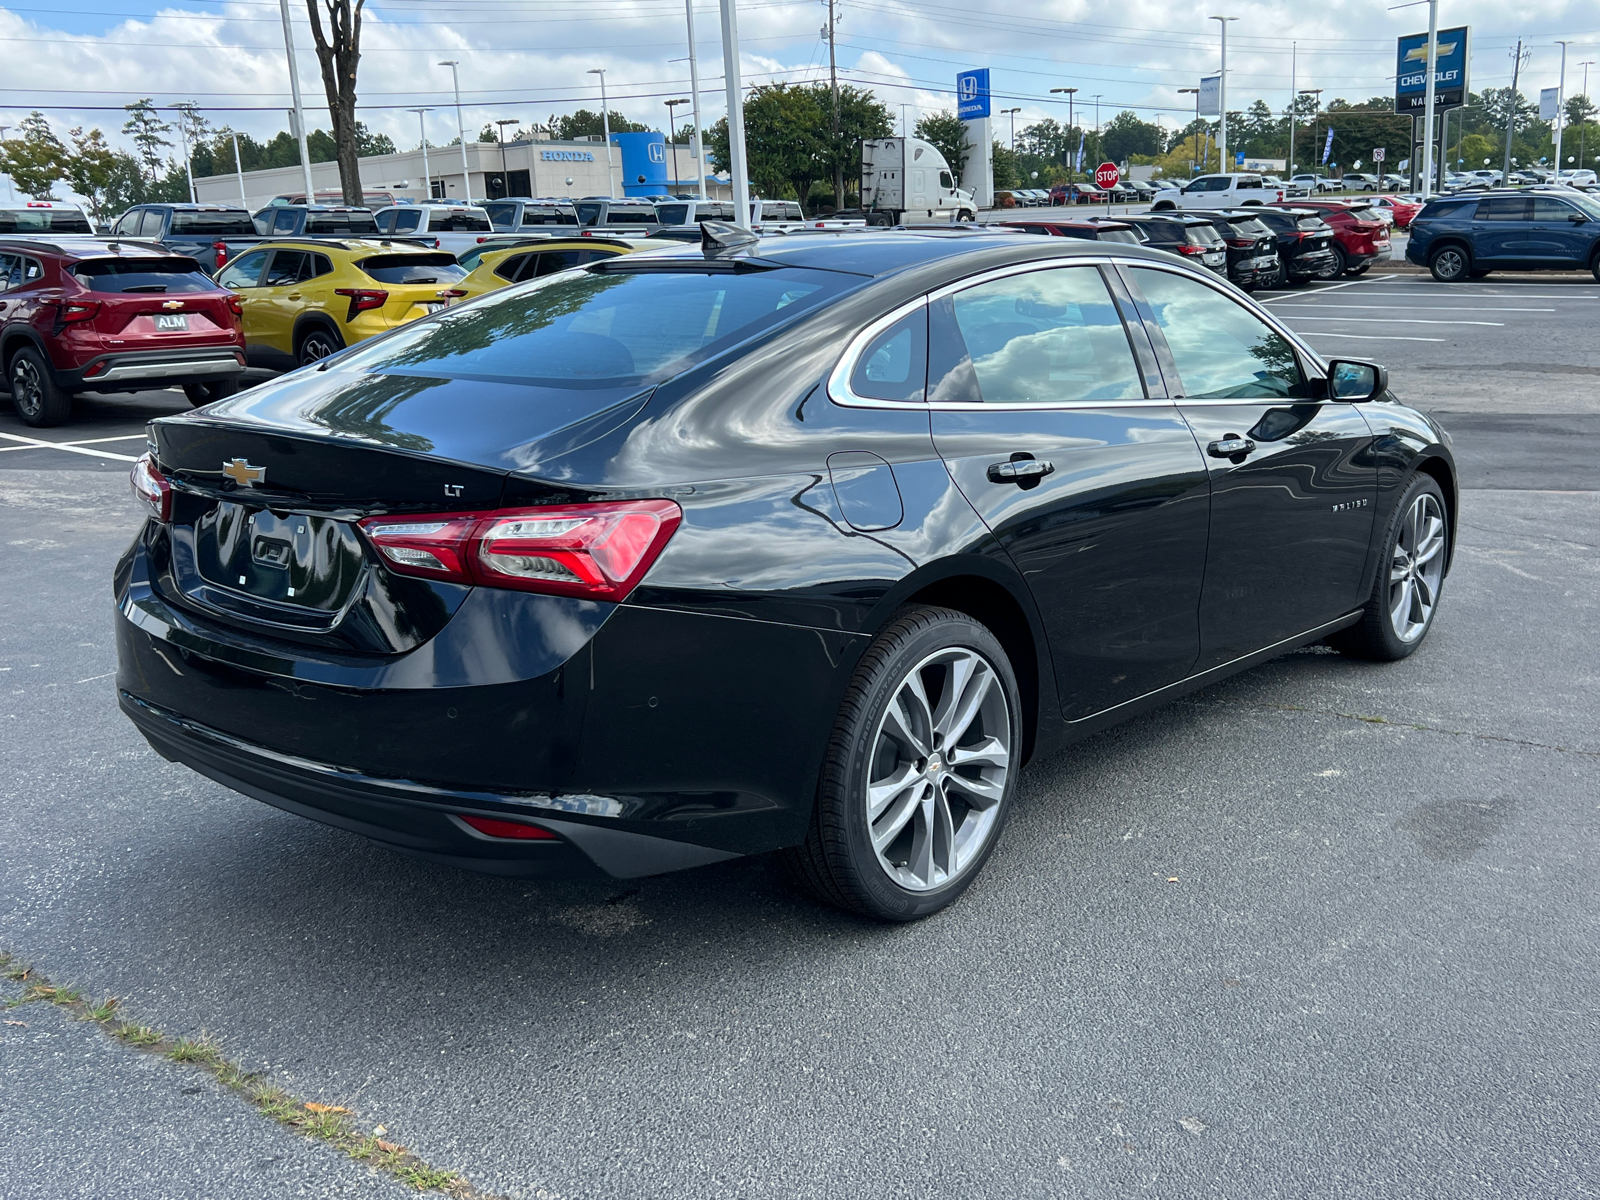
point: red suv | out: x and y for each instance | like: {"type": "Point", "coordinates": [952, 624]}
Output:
{"type": "Point", "coordinates": [1360, 236]}
{"type": "Point", "coordinates": [92, 315]}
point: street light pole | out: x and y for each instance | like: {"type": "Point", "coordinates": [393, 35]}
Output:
{"type": "Point", "coordinates": [1294, 95]}
{"type": "Point", "coordinates": [1222, 97]}
{"type": "Point", "coordinates": [422, 128]}
{"type": "Point", "coordinates": [738, 166]}
{"type": "Point", "coordinates": [1427, 99]}
{"type": "Point", "coordinates": [1194, 139]}
{"type": "Point", "coordinates": [299, 109]}
{"type": "Point", "coordinates": [505, 169]}
{"type": "Point", "coordinates": [1583, 126]}
{"type": "Point", "coordinates": [1316, 111]}
{"type": "Point", "coordinates": [238, 168]}
{"type": "Point", "coordinates": [1012, 113]}
{"type": "Point", "coordinates": [605, 127]}
{"type": "Point", "coordinates": [466, 175]}
{"type": "Point", "coordinates": [1072, 170]}
{"type": "Point", "coordinates": [1561, 101]}
{"type": "Point", "coordinates": [672, 125]}
{"type": "Point", "coordinates": [694, 102]}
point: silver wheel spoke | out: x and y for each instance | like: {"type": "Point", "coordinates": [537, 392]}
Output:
{"type": "Point", "coordinates": [943, 840]}
{"type": "Point", "coordinates": [1400, 610]}
{"type": "Point", "coordinates": [886, 830]}
{"type": "Point", "coordinates": [962, 699]}
{"type": "Point", "coordinates": [883, 793]}
{"type": "Point", "coordinates": [910, 728]}
{"type": "Point", "coordinates": [982, 792]}
{"type": "Point", "coordinates": [991, 752]}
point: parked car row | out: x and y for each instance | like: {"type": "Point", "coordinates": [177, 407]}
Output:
{"type": "Point", "coordinates": [1465, 236]}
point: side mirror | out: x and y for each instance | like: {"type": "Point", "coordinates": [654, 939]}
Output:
{"type": "Point", "coordinates": [1355, 381]}
{"type": "Point", "coordinates": [1578, 219]}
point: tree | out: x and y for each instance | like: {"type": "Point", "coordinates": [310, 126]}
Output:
{"type": "Point", "coordinates": [1007, 172]}
{"type": "Point", "coordinates": [861, 116]}
{"type": "Point", "coordinates": [948, 135]}
{"type": "Point", "coordinates": [91, 167]}
{"type": "Point", "coordinates": [145, 128]}
{"type": "Point", "coordinates": [1499, 103]}
{"type": "Point", "coordinates": [1125, 134]}
{"type": "Point", "coordinates": [584, 123]}
{"type": "Point", "coordinates": [36, 159]}
{"type": "Point", "coordinates": [1580, 110]}
{"type": "Point", "coordinates": [339, 53]}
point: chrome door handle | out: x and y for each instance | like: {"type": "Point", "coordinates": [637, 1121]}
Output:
{"type": "Point", "coordinates": [1021, 470]}
{"type": "Point", "coordinates": [292, 296]}
{"type": "Point", "coordinates": [1232, 446]}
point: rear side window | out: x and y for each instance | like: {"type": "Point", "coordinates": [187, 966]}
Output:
{"type": "Point", "coordinates": [1047, 337]}
{"type": "Point", "coordinates": [458, 221]}
{"type": "Point", "coordinates": [413, 268]}
{"type": "Point", "coordinates": [212, 224]}
{"type": "Point", "coordinates": [357, 223]}
{"type": "Point", "coordinates": [143, 275]}
{"type": "Point", "coordinates": [1503, 208]}
{"type": "Point", "coordinates": [288, 267]}
{"type": "Point", "coordinates": [615, 329]}
{"type": "Point", "coordinates": [894, 366]}
{"type": "Point", "coordinates": [511, 267]}
{"type": "Point", "coordinates": [35, 220]}
{"type": "Point", "coordinates": [17, 270]}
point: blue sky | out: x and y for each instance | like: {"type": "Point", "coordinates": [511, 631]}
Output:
{"type": "Point", "coordinates": [528, 59]}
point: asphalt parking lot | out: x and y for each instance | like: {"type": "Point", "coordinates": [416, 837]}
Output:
{"type": "Point", "coordinates": [1325, 929]}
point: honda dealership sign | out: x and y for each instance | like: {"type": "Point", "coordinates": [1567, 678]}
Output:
{"type": "Point", "coordinates": [1449, 72]}
{"type": "Point", "coordinates": [972, 94]}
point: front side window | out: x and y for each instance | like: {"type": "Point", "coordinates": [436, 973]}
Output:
{"type": "Point", "coordinates": [150, 224]}
{"type": "Point", "coordinates": [894, 366]}
{"type": "Point", "coordinates": [285, 221]}
{"type": "Point", "coordinates": [385, 221]}
{"type": "Point", "coordinates": [407, 221]}
{"type": "Point", "coordinates": [10, 271]}
{"type": "Point", "coordinates": [1047, 337]}
{"type": "Point", "coordinates": [128, 225]}
{"type": "Point", "coordinates": [288, 267]}
{"type": "Point", "coordinates": [244, 272]}
{"type": "Point", "coordinates": [1548, 208]}
{"type": "Point", "coordinates": [1221, 349]}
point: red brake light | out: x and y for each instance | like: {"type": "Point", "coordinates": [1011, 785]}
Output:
{"type": "Point", "coordinates": [151, 487]}
{"type": "Point", "coordinates": [509, 829]}
{"type": "Point", "coordinates": [77, 310]}
{"type": "Point", "coordinates": [361, 299]}
{"type": "Point", "coordinates": [593, 551]}
{"type": "Point", "coordinates": [221, 249]}
{"type": "Point", "coordinates": [453, 293]}
{"type": "Point", "coordinates": [1190, 248]}
{"type": "Point", "coordinates": [235, 305]}
{"type": "Point", "coordinates": [1241, 243]}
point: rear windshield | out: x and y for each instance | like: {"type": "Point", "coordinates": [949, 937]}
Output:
{"type": "Point", "coordinates": [1363, 214]}
{"type": "Point", "coordinates": [1311, 223]}
{"type": "Point", "coordinates": [1204, 235]}
{"type": "Point", "coordinates": [1119, 235]}
{"type": "Point", "coordinates": [458, 222]}
{"type": "Point", "coordinates": [143, 275]}
{"type": "Point", "coordinates": [413, 268]}
{"type": "Point", "coordinates": [212, 224]}
{"type": "Point", "coordinates": [672, 214]}
{"type": "Point", "coordinates": [600, 329]}
{"type": "Point", "coordinates": [1250, 226]}
{"type": "Point", "coordinates": [360, 223]}
{"type": "Point", "coordinates": [57, 220]}
{"type": "Point", "coordinates": [631, 216]}
{"type": "Point", "coordinates": [532, 216]}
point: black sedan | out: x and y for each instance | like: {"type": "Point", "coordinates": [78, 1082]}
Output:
{"type": "Point", "coordinates": [803, 545]}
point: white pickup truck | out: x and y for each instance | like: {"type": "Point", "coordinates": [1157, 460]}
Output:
{"type": "Point", "coordinates": [452, 227]}
{"type": "Point", "coordinates": [1221, 191]}
{"type": "Point", "coordinates": [905, 180]}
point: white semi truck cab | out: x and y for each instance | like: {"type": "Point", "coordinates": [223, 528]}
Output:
{"type": "Point", "coordinates": [906, 181]}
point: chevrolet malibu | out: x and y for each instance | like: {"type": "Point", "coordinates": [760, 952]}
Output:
{"type": "Point", "coordinates": [804, 545]}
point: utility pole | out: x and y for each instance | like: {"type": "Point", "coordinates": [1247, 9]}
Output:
{"type": "Point", "coordinates": [422, 128]}
{"type": "Point", "coordinates": [455, 79]}
{"type": "Point", "coordinates": [1519, 59]}
{"type": "Point", "coordinates": [1561, 101]}
{"type": "Point", "coordinates": [1222, 97]}
{"type": "Point", "coordinates": [833, 84]}
{"type": "Point", "coordinates": [299, 109]}
{"type": "Point", "coordinates": [183, 136]}
{"type": "Point", "coordinates": [672, 126]}
{"type": "Point", "coordinates": [238, 169]}
{"type": "Point", "coordinates": [699, 147]}
{"type": "Point", "coordinates": [1316, 111]}
{"type": "Point", "coordinates": [1427, 99]}
{"type": "Point", "coordinates": [1294, 97]}
{"type": "Point", "coordinates": [1072, 170]}
{"type": "Point", "coordinates": [605, 126]}
{"type": "Point", "coordinates": [738, 165]}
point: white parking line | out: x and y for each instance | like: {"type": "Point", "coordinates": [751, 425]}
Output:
{"type": "Point", "coordinates": [1332, 288]}
{"type": "Point", "coordinates": [1397, 321]}
{"type": "Point", "coordinates": [38, 444]}
{"type": "Point", "coordinates": [1416, 308]}
{"type": "Point", "coordinates": [1369, 337]}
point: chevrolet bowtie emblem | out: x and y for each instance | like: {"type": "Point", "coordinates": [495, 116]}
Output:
{"type": "Point", "coordinates": [173, 304]}
{"type": "Point", "coordinates": [242, 473]}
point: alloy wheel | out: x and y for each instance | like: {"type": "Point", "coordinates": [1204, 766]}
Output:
{"type": "Point", "coordinates": [1450, 264]}
{"type": "Point", "coordinates": [1416, 569]}
{"type": "Point", "coordinates": [27, 387]}
{"type": "Point", "coordinates": [316, 346]}
{"type": "Point", "coordinates": [940, 762]}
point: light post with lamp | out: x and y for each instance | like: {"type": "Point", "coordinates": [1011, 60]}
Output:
{"type": "Point", "coordinates": [1583, 126]}
{"type": "Point", "coordinates": [422, 128]}
{"type": "Point", "coordinates": [505, 170]}
{"type": "Point", "coordinates": [672, 131]}
{"type": "Point", "coordinates": [605, 126]}
{"type": "Point", "coordinates": [1072, 170]}
{"type": "Point", "coordinates": [1316, 112]}
{"type": "Point", "coordinates": [1194, 138]}
{"type": "Point", "coordinates": [1222, 97]}
{"type": "Point", "coordinates": [461, 128]}
{"type": "Point", "coordinates": [1012, 113]}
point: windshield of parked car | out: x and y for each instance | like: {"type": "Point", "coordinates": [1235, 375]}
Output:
{"type": "Point", "coordinates": [359, 224]}
{"type": "Point", "coordinates": [600, 329]}
{"type": "Point", "coordinates": [212, 224]}
{"type": "Point", "coordinates": [143, 275]}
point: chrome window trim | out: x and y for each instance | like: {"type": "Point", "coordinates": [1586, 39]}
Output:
{"type": "Point", "coordinates": [838, 385]}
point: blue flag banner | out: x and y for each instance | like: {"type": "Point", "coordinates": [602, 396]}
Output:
{"type": "Point", "coordinates": [1327, 148]}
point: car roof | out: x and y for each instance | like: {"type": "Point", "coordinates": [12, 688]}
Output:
{"type": "Point", "coordinates": [1176, 217]}
{"type": "Point", "coordinates": [187, 206]}
{"type": "Point", "coordinates": [1076, 222]}
{"type": "Point", "coordinates": [86, 246]}
{"type": "Point", "coordinates": [354, 244]}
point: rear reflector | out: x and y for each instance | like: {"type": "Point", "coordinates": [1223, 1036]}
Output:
{"type": "Point", "coordinates": [592, 551]}
{"type": "Point", "coordinates": [150, 486]}
{"type": "Point", "coordinates": [509, 829]}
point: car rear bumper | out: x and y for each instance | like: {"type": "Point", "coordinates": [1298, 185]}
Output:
{"type": "Point", "coordinates": [1303, 266]}
{"type": "Point", "coordinates": [140, 369]}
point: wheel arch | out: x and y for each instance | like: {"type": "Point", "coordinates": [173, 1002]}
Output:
{"type": "Point", "coordinates": [306, 322]}
{"type": "Point", "coordinates": [1434, 464]}
{"type": "Point", "coordinates": [14, 340]}
{"type": "Point", "coordinates": [1445, 240]}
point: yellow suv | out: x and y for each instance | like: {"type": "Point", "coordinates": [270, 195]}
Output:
{"type": "Point", "coordinates": [305, 300]}
{"type": "Point", "coordinates": [504, 265]}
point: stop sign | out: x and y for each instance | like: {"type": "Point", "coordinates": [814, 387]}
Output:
{"type": "Point", "coordinates": [1106, 175]}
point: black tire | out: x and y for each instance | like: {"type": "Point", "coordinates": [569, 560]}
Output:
{"type": "Point", "coordinates": [1375, 637]}
{"type": "Point", "coordinates": [1163, 206]}
{"type": "Point", "coordinates": [965, 216]}
{"type": "Point", "coordinates": [1336, 269]}
{"type": "Point", "coordinates": [837, 862]}
{"type": "Point", "coordinates": [316, 343]}
{"type": "Point", "coordinates": [1594, 268]}
{"type": "Point", "coordinates": [210, 390]}
{"type": "Point", "coordinates": [1450, 264]}
{"type": "Point", "coordinates": [39, 402]}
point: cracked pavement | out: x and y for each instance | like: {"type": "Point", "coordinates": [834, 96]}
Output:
{"type": "Point", "coordinates": [1374, 973]}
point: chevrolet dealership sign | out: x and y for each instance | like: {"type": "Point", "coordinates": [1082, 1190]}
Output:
{"type": "Point", "coordinates": [1449, 71]}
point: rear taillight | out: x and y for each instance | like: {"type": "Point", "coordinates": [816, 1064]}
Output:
{"type": "Point", "coordinates": [151, 487]}
{"type": "Point", "coordinates": [236, 306]}
{"type": "Point", "coordinates": [1242, 243]}
{"type": "Point", "coordinates": [1190, 248]}
{"type": "Point", "coordinates": [451, 293]}
{"type": "Point", "coordinates": [70, 312]}
{"type": "Point", "coordinates": [221, 251]}
{"type": "Point", "coordinates": [361, 299]}
{"type": "Point", "coordinates": [593, 551]}
{"type": "Point", "coordinates": [509, 829]}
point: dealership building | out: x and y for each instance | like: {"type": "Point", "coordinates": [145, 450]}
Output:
{"type": "Point", "coordinates": [641, 164]}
